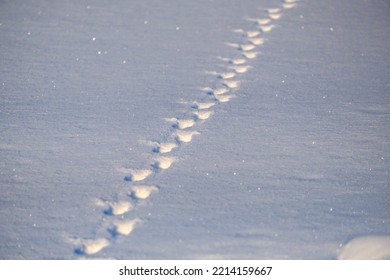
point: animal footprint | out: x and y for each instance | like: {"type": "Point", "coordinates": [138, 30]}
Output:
{"type": "Point", "coordinates": [224, 98]}
{"type": "Point", "coordinates": [242, 47]}
{"type": "Point", "coordinates": [273, 10]}
{"type": "Point", "coordinates": [142, 192]}
{"type": "Point", "coordinates": [115, 208]}
{"type": "Point", "coordinates": [185, 136]}
{"type": "Point", "coordinates": [91, 246]}
{"type": "Point", "coordinates": [216, 91]}
{"type": "Point", "coordinates": [236, 61]}
{"type": "Point", "coordinates": [241, 69]}
{"type": "Point", "coordinates": [231, 84]}
{"type": "Point", "coordinates": [164, 148]}
{"type": "Point", "coordinates": [257, 41]}
{"type": "Point", "coordinates": [288, 4]}
{"type": "Point", "coordinates": [124, 227]}
{"type": "Point", "coordinates": [202, 115]}
{"type": "Point", "coordinates": [164, 162]}
{"type": "Point", "coordinates": [137, 175]}
{"type": "Point", "coordinates": [182, 123]}
{"type": "Point", "coordinates": [248, 34]}
{"type": "Point", "coordinates": [204, 105]}
{"type": "Point", "coordinates": [226, 75]}
{"type": "Point", "coordinates": [267, 28]}
{"type": "Point", "coordinates": [259, 21]}
{"type": "Point", "coordinates": [250, 55]}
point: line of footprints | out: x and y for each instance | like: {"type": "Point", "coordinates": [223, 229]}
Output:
{"type": "Point", "coordinates": [226, 83]}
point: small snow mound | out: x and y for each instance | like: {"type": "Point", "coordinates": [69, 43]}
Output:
{"type": "Point", "coordinates": [366, 248]}
{"type": "Point", "coordinates": [92, 246]}
{"type": "Point", "coordinates": [143, 192]}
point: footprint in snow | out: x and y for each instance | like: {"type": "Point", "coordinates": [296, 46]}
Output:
{"type": "Point", "coordinates": [240, 68]}
{"type": "Point", "coordinates": [274, 13]}
{"type": "Point", "coordinates": [259, 21]}
{"type": "Point", "coordinates": [236, 61]}
{"type": "Point", "coordinates": [257, 41]}
{"type": "Point", "coordinates": [123, 227]}
{"type": "Point", "coordinates": [185, 136]}
{"type": "Point", "coordinates": [241, 47]}
{"type": "Point", "coordinates": [275, 16]}
{"type": "Point", "coordinates": [231, 84]}
{"type": "Point", "coordinates": [250, 55]}
{"type": "Point", "coordinates": [202, 115]}
{"type": "Point", "coordinates": [142, 191]}
{"type": "Point", "coordinates": [223, 76]}
{"type": "Point", "coordinates": [227, 75]}
{"type": "Point", "coordinates": [252, 34]}
{"type": "Point", "coordinates": [181, 123]}
{"type": "Point", "coordinates": [215, 91]}
{"type": "Point", "coordinates": [163, 162]}
{"type": "Point", "coordinates": [203, 105]}
{"type": "Point", "coordinates": [91, 246]}
{"type": "Point", "coordinates": [137, 175]}
{"type": "Point", "coordinates": [164, 147]}
{"type": "Point", "coordinates": [267, 28]}
{"type": "Point", "coordinates": [115, 208]}
{"type": "Point", "coordinates": [248, 34]}
{"type": "Point", "coordinates": [273, 10]}
{"type": "Point", "coordinates": [223, 98]}
{"type": "Point", "coordinates": [288, 4]}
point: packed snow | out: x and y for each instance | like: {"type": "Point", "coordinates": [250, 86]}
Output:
{"type": "Point", "coordinates": [253, 129]}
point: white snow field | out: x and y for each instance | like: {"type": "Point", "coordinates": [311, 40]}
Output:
{"type": "Point", "coordinates": [251, 129]}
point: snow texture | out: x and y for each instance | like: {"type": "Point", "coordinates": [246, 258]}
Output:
{"type": "Point", "coordinates": [253, 129]}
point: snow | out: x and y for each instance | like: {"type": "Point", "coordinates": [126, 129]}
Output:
{"type": "Point", "coordinates": [367, 248]}
{"type": "Point", "coordinates": [207, 129]}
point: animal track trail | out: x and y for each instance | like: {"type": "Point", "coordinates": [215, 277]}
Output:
{"type": "Point", "coordinates": [116, 219]}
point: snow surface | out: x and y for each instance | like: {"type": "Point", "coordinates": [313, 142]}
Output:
{"type": "Point", "coordinates": [194, 129]}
